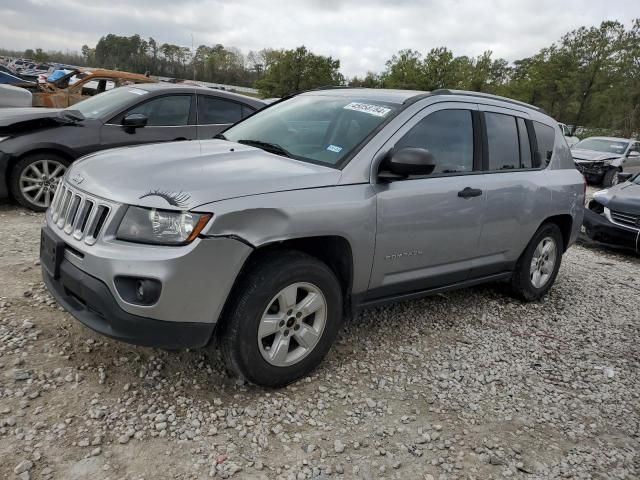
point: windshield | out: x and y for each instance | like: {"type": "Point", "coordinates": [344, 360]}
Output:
{"type": "Point", "coordinates": [603, 145]}
{"type": "Point", "coordinates": [104, 103]}
{"type": "Point", "coordinates": [315, 128]}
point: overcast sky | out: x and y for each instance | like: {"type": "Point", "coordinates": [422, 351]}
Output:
{"type": "Point", "coordinates": [362, 34]}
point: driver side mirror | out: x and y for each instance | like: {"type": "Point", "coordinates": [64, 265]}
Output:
{"type": "Point", "coordinates": [410, 161]}
{"type": "Point", "coordinates": [633, 154]}
{"type": "Point", "coordinates": [135, 120]}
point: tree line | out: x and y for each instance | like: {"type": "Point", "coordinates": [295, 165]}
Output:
{"type": "Point", "coordinates": [589, 77]}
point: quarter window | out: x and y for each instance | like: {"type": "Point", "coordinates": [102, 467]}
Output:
{"type": "Point", "coordinates": [503, 141]}
{"type": "Point", "coordinates": [448, 135]}
{"type": "Point", "coordinates": [545, 138]}
{"type": "Point", "coordinates": [213, 110]}
{"type": "Point", "coordinates": [170, 110]}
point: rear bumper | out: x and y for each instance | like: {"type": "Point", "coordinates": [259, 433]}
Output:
{"type": "Point", "coordinates": [90, 301]}
{"type": "Point", "coordinates": [601, 230]}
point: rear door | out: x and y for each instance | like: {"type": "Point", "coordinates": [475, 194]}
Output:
{"type": "Point", "coordinates": [513, 171]}
{"type": "Point", "coordinates": [428, 227]}
{"type": "Point", "coordinates": [169, 118]}
{"type": "Point", "coordinates": [215, 114]}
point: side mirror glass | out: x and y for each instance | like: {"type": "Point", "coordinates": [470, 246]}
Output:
{"type": "Point", "coordinates": [411, 161]}
{"type": "Point", "coordinates": [135, 120]}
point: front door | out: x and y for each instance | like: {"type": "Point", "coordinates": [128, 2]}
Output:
{"type": "Point", "coordinates": [169, 118]}
{"type": "Point", "coordinates": [428, 227]}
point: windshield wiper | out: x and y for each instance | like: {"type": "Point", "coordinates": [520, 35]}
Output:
{"type": "Point", "coordinates": [269, 147]}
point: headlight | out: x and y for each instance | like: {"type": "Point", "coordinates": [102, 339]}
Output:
{"type": "Point", "coordinates": [4, 138]}
{"type": "Point", "coordinates": [163, 227]}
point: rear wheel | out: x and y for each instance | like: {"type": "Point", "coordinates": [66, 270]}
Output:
{"type": "Point", "coordinates": [282, 319]}
{"type": "Point", "coordinates": [537, 268]}
{"type": "Point", "coordinates": [35, 177]}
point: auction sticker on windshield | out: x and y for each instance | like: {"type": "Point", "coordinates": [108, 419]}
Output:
{"type": "Point", "coordinates": [375, 110]}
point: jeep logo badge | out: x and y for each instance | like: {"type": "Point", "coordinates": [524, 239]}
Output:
{"type": "Point", "coordinates": [77, 179]}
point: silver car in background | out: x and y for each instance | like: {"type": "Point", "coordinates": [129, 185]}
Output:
{"type": "Point", "coordinates": [602, 159]}
{"type": "Point", "coordinates": [267, 237]}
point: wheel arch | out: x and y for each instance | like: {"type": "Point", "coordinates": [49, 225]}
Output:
{"type": "Point", "coordinates": [565, 224]}
{"type": "Point", "coordinates": [334, 250]}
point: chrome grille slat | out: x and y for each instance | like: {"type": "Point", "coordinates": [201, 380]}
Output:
{"type": "Point", "coordinates": [71, 215]}
{"type": "Point", "coordinates": [78, 214]}
{"type": "Point", "coordinates": [65, 208]}
{"type": "Point", "coordinates": [626, 219]}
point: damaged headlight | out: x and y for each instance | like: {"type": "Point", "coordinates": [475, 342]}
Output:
{"type": "Point", "coordinates": [162, 227]}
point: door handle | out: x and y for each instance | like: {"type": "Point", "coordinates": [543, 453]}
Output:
{"type": "Point", "coordinates": [469, 192]}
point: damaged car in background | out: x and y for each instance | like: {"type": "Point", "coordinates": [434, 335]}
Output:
{"type": "Point", "coordinates": [612, 217]}
{"type": "Point", "coordinates": [80, 84]}
{"type": "Point", "coordinates": [38, 144]}
{"type": "Point", "coordinates": [601, 159]}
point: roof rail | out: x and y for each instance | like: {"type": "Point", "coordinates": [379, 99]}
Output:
{"type": "Point", "coordinates": [446, 91]}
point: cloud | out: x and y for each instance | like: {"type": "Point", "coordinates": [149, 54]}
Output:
{"type": "Point", "coordinates": [362, 34]}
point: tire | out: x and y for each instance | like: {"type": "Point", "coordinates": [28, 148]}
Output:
{"type": "Point", "coordinates": [524, 282]}
{"type": "Point", "coordinates": [38, 173]}
{"type": "Point", "coordinates": [256, 308]}
{"type": "Point", "coordinates": [610, 178]}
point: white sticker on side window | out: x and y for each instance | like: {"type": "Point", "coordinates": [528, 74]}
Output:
{"type": "Point", "coordinates": [375, 110]}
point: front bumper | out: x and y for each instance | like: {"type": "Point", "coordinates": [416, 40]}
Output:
{"type": "Point", "coordinates": [90, 301]}
{"type": "Point", "coordinates": [600, 229]}
{"type": "Point", "coordinates": [4, 175]}
{"type": "Point", "coordinates": [195, 279]}
{"type": "Point", "coordinates": [592, 171]}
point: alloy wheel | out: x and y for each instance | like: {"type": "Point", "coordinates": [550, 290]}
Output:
{"type": "Point", "coordinates": [292, 324]}
{"type": "Point", "coordinates": [543, 262]}
{"type": "Point", "coordinates": [39, 180]}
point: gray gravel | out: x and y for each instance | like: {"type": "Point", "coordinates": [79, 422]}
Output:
{"type": "Point", "coordinates": [469, 384]}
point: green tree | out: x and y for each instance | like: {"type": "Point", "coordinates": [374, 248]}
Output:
{"type": "Point", "coordinates": [291, 71]}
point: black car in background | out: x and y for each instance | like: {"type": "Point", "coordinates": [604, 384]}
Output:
{"type": "Point", "coordinates": [38, 144]}
{"type": "Point", "coordinates": [613, 215]}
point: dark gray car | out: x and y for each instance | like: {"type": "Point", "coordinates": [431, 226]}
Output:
{"type": "Point", "coordinates": [37, 144]}
{"type": "Point", "coordinates": [317, 205]}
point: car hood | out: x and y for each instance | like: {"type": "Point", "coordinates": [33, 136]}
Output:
{"type": "Point", "coordinates": [624, 197]}
{"type": "Point", "coordinates": [184, 175]}
{"type": "Point", "coordinates": [592, 155]}
{"type": "Point", "coordinates": [9, 116]}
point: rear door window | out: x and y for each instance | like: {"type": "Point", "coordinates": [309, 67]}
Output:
{"type": "Point", "coordinates": [213, 111]}
{"type": "Point", "coordinates": [503, 141]}
{"type": "Point", "coordinates": [525, 145]}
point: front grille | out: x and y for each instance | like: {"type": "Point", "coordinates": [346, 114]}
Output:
{"type": "Point", "coordinates": [77, 214]}
{"type": "Point", "coordinates": [628, 219]}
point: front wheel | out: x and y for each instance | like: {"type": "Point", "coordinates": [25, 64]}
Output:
{"type": "Point", "coordinates": [610, 178]}
{"type": "Point", "coordinates": [537, 268]}
{"type": "Point", "coordinates": [35, 177]}
{"type": "Point", "coordinates": [282, 319]}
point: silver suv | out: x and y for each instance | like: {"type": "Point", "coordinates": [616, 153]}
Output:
{"type": "Point", "coordinates": [332, 200]}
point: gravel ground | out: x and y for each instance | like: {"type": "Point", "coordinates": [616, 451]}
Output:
{"type": "Point", "coordinates": [469, 384]}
